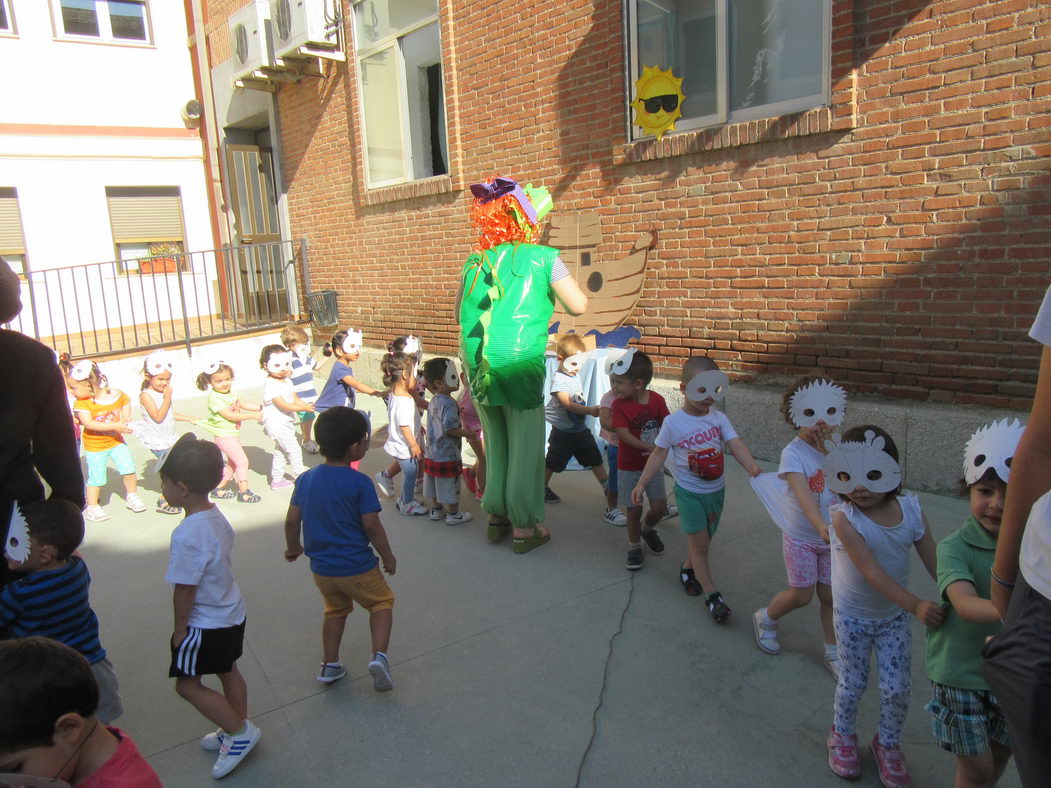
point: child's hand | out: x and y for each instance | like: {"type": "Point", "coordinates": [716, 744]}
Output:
{"type": "Point", "coordinates": [595, 411]}
{"type": "Point", "coordinates": [292, 553]}
{"type": "Point", "coordinates": [124, 428]}
{"type": "Point", "coordinates": [636, 494]}
{"type": "Point", "coordinates": [753, 469]}
{"type": "Point", "coordinates": [470, 436]}
{"type": "Point", "coordinates": [416, 452]}
{"type": "Point", "coordinates": [390, 564]}
{"type": "Point", "coordinates": [309, 409]}
{"type": "Point", "coordinates": [257, 415]}
{"type": "Point", "coordinates": [930, 613]}
{"type": "Point", "coordinates": [822, 432]}
{"type": "Point", "coordinates": [178, 637]}
{"type": "Point", "coordinates": [823, 531]}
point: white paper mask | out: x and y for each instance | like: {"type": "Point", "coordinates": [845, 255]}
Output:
{"type": "Point", "coordinates": [574, 363]}
{"type": "Point", "coordinates": [212, 367]}
{"type": "Point", "coordinates": [17, 547]}
{"type": "Point", "coordinates": [302, 351]}
{"type": "Point", "coordinates": [618, 362]}
{"type": "Point", "coordinates": [160, 362]}
{"type": "Point", "coordinates": [413, 348]}
{"type": "Point", "coordinates": [352, 342]}
{"type": "Point", "coordinates": [452, 377]}
{"type": "Point", "coordinates": [81, 370]}
{"type": "Point", "coordinates": [821, 400]}
{"type": "Point", "coordinates": [278, 363]}
{"type": "Point", "coordinates": [992, 446]}
{"type": "Point", "coordinates": [856, 464]}
{"type": "Point", "coordinates": [711, 383]}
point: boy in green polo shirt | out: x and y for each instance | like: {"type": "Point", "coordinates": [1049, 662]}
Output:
{"type": "Point", "coordinates": [966, 719]}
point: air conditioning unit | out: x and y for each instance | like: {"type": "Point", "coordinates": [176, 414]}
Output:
{"type": "Point", "coordinates": [305, 27]}
{"type": "Point", "coordinates": [248, 39]}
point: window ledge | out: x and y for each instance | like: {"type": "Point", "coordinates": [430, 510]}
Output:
{"type": "Point", "coordinates": [797, 124]}
{"type": "Point", "coordinates": [439, 184]}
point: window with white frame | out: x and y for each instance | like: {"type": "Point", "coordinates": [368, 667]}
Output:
{"type": "Point", "coordinates": [147, 228]}
{"type": "Point", "coordinates": [115, 21]}
{"type": "Point", "coordinates": [398, 49]}
{"type": "Point", "coordinates": [12, 241]}
{"type": "Point", "coordinates": [7, 19]}
{"type": "Point", "coordinates": [739, 59]}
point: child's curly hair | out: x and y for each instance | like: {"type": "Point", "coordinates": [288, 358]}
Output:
{"type": "Point", "coordinates": [95, 379]}
{"type": "Point", "coordinates": [269, 351]}
{"type": "Point", "coordinates": [786, 398]}
{"type": "Point", "coordinates": [393, 366]}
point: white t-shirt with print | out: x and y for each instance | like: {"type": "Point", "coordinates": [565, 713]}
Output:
{"type": "Point", "coordinates": [695, 447]}
{"type": "Point", "coordinates": [401, 412]}
{"type": "Point", "coordinates": [1035, 558]}
{"type": "Point", "coordinates": [201, 548]}
{"type": "Point", "coordinates": [800, 457]}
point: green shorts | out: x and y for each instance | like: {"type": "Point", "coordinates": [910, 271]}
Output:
{"type": "Point", "coordinates": [696, 510]}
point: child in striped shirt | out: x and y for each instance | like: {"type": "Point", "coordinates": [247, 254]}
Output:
{"type": "Point", "coordinates": [295, 339]}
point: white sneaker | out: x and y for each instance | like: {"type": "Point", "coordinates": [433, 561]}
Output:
{"type": "Point", "coordinates": [213, 741]}
{"type": "Point", "coordinates": [385, 483]}
{"type": "Point", "coordinates": [380, 670]}
{"type": "Point", "coordinates": [411, 509]}
{"type": "Point", "coordinates": [615, 517]}
{"type": "Point", "coordinates": [134, 502]}
{"type": "Point", "coordinates": [310, 447]}
{"type": "Point", "coordinates": [438, 513]}
{"type": "Point", "coordinates": [832, 663]}
{"type": "Point", "coordinates": [331, 671]}
{"type": "Point", "coordinates": [458, 518]}
{"type": "Point", "coordinates": [233, 750]}
{"type": "Point", "coordinates": [765, 635]}
{"type": "Point", "coordinates": [95, 514]}
{"type": "Point", "coordinates": [673, 511]}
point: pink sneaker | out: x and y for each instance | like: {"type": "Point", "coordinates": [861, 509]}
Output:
{"type": "Point", "coordinates": [891, 762]}
{"type": "Point", "coordinates": [469, 479]}
{"type": "Point", "coordinates": [280, 484]}
{"type": "Point", "coordinates": [843, 754]}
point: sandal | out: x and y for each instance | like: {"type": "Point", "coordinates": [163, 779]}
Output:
{"type": "Point", "coordinates": [523, 544]}
{"type": "Point", "coordinates": [498, 531]}
{"type": "Point", "coordinates": [222, 493]}
{"type": "Point", "coordinates": [247, 496]}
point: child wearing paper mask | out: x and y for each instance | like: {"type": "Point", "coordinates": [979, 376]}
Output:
{"type": "Point", "coordinates": [441, 463]}
{"type": "Point", "coordinates": [566, 411]}
{"type": "Point", "coordinates": [409, 345]}
{"type": "Point", "coordinates": [104, 414]}
{"type": "Point", "coordinates": [296, 340]}
{"type": "Point", "coordinates": [280, 405]}
{"type": "Point", "coordinates": [965, 716]}
{"type": "Point", "coordinates": [695, 438]}
{"type": "Point", "coordinates": [226, 413]}
{"type": "Point", "coordinates": [798, 500]}
{"type": "Point", "coordinates": [403, 428]}
{"type": "Point", "coordinates": [342, 387]}
{"type": "Point", "coordinates": [873, 529]}
{"type": "Point", "coordinates": [156, 429]}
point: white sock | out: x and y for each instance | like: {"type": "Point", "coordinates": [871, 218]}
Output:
{"type": "Point", "coordinates": [634, 544]}
{"type": "Point", "coordinates": [832, 651]}
{"type": "Point", "coordinates": [767, 621]}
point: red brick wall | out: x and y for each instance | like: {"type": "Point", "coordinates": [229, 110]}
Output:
{"type": "Point", "coordinates": [898, 241]}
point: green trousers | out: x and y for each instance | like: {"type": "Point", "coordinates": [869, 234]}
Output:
{"type": "Point", "coordinates": [514, 463]}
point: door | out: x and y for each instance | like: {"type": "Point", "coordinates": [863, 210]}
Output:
{"type": "Point", "coordinates": [261, 258]}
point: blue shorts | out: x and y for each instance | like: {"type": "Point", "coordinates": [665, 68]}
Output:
{"type": "Point", "coordinates": [611, 457]}
{"type": "Point", "coordinates": [98, 460]}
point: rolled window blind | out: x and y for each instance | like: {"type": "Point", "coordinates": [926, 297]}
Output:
{"type": "Point", "coordinates": [145, 214]}
{"type": "Point", "coordinates": [11, 239]}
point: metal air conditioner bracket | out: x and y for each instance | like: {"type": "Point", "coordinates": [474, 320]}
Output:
{"type": "Point", "coordinates": [315, 52]}
{"type": "Point", "coordinates": [257, 81]}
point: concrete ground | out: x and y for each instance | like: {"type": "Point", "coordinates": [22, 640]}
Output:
{"type": "Point", "coordinates": [555, 668]}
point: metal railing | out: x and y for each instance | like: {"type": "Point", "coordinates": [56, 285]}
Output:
{"type": "Point", "coordinates": [131, 305]}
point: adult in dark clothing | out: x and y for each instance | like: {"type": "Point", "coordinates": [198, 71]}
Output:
{"type": "Point", "coordinates": [36, 428]}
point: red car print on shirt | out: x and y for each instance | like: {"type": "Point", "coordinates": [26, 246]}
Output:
{"type": "Point", "coordinates": [707, 463]}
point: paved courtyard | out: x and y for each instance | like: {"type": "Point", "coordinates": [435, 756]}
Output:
{"type": "Point", "coordinates": [557, 668]}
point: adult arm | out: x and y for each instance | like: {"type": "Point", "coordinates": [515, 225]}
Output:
{"type": "Point", "coordinates": [569, 294]}
{"type": "Point", "coordinates": [1030, 479]}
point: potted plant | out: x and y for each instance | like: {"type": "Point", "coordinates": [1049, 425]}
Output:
{"type": "Point", "coordinates": [163, 258]}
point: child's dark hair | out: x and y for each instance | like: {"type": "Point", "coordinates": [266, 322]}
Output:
{"type": "Point", "coordinates": [331, 348]}
{"type": "Point", "coordinates": [57, 523]}
{"type": "Point", "coordinates": [857, 435]}
{"type": "Point", "coordinates": [434, 368]}
{"type": "Point", "coordinates": [268, 351]}
{"type": "Point", "coordinates": [786, 398]}
{"type": "Point", "coordinates": [393, 366]}
{"type": "Point", "coordinates": [337, 429]}
{"type": "Point", "coordinates": [397, 345]}
{"type": "Point", "coordinates": [204, 380]}
{"type": "Point", "coordinates": [96, 379]}
{"type": "Point", "coordinates": [41, 680]}
{"type": "Point", "coordinates": [196, 463]}
{"type": "Point", "coordinates": [695, 365]}
{"type": "Point", "coordinates": [963, 489]}
{"type": "Point", "coordinates": [641, 368]}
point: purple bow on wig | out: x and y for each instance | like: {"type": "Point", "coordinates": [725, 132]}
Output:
{"type": "Point", "coordinates": [489, 191]}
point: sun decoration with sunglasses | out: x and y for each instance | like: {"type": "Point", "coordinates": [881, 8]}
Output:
{"type": "Point", "coordinates": [658, 101]}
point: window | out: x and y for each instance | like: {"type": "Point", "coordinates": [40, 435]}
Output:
{"type": "Point", "coordinates": [147, 228]}
{"type": "Point", "coordinates": [739, 59]}
{"type": "Point", "coordinates": [402, 98]}
{"type": "Point", "coordinates": [7, 20]}
{"type": "Point", "coordinates": [12, 242]}
{"type": "Point", "coordinates": [105, 20]}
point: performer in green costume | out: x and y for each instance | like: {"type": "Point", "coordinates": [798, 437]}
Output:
{"type": "Point", "coordinates": [507, 293]}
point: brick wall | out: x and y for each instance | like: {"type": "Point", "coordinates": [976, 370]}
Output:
{"type": "Point", "coordinates": [897, 240]}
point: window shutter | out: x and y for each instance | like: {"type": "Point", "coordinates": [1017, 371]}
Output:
{"type": "Point", "coordinates": [139, 215]}
{"type": "Point", "coordinates": [11, 241]}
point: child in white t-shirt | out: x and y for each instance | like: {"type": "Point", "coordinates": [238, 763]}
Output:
{"type": "Point", "coordinates": [403, 428]}
{"type": "Point", "coordinates": [280, 405]}
{"type": "Point", "coordinates": [156, 430]}
{"type": "Point", "coordinates": [695, 438]}
{"type": "Point", "coordinates": [798, 500]}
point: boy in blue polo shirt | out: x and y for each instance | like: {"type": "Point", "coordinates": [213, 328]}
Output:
{"type": "Point", "coordinates": [336, 510]}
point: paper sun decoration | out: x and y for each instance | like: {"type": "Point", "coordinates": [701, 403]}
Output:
{"type": "Point", "coordinates": [278, 363]}
{"type": "Point", "coordinates": [17, 547]}
{"type": "Point", "coordinates": [160, 362]}
{"type": "Point", "coordinates": [351, 342]}
{"type": "Point", "coordinates": [618, 362]}
{"type": "Point", "coordinates": [821, 400]}
{"type": "Point", "coordinates": [710, 383]}
{"type": "Point", "coordinates": [658, 101]}
{"type": "Point", "coordinates": [852, 464]}
{"type": "Point", "coordinates": [992, 446]}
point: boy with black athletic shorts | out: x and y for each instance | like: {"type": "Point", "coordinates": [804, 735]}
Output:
{"type": "Point", "coordinates": [567, 411]}
{"type": "Point", "coordinates": [209, 610]}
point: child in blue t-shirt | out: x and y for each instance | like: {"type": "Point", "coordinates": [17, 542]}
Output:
{"type": "Point", "coordinates": [336, 509]}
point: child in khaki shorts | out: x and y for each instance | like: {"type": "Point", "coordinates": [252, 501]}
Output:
{"type": "Point", "coordinates": [336, 510]}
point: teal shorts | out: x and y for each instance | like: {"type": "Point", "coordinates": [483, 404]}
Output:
{"type": "Point", "coordinates": [98, 460]}
{"type": "Point", "coordinates": [695, 509]}
{"type": "Point", "coordinates": [305, 416]}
